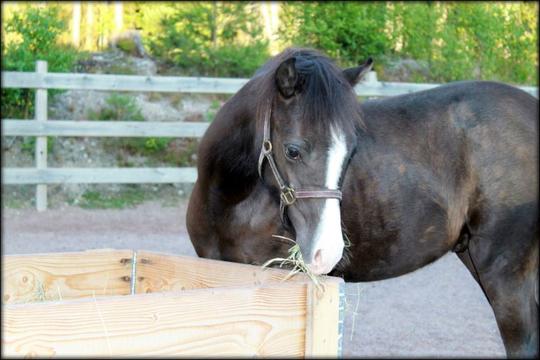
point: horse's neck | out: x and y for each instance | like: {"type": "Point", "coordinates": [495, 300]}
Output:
{"type": "Point", "coordinates": [228, 152]}
{"type": "Point", "coordinates": [258, 211]}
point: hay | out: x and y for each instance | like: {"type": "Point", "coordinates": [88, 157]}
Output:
{"type": "Point", "coordinates": [295, 260]}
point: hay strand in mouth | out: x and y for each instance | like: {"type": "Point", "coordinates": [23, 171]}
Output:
{"type": "Point", "coordinates": [296, 260]}
{"type": "Point", "coordinates": [281, 238]}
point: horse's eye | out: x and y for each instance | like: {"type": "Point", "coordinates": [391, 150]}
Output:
{"type": "Point", "coordinates": [292, 152]}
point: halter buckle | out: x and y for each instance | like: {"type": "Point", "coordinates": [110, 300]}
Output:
{"type": "Point", "coordinates": [287, 196]}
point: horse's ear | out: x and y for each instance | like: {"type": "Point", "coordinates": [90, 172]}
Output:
{"type": "Point", "coordinates": [355, 74]}
{"type": "Point", "coordinates": [287, 77]}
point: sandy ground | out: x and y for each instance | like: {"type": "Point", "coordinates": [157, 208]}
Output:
{"type": "Point", "coordinates": [437, 311]}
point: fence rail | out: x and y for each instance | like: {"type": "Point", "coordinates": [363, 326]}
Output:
{"type": "Point", "coordinates": [103, 128]}
{"type": "Point", "coordinates": [41, 127]}
{"type": "Point", "coordinates": [100, 175]}
{"type": "Point", "coordinates": [70, 81]}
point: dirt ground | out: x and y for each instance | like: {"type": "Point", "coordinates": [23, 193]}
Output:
{"type": "Point", "coordinates": [437, 311]}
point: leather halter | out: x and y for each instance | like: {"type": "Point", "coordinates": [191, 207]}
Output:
{"type": "Point", "coordinates": [287, 193]}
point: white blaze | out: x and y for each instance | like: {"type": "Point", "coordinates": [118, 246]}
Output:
{"type": "Point", "coordinates": [328, 236]}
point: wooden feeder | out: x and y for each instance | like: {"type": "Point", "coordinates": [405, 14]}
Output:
{"type": "Point", "coordinates": [133, 303]}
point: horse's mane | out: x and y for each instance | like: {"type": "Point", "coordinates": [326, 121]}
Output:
{"type": "Point", "coordinates": [326, 94]}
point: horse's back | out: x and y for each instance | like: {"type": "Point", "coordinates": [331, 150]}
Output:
{"type": "Point", "coordinates": [491, 127]}
{"type": "Point", "coordinates": [495, 122]}
{"type": "Point", "coordinates": [473, 102]}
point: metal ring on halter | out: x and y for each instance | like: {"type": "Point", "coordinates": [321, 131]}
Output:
{"type": "Point", "coordinates": [287, 196]}
{"type": "Point", "coordinates": [267, 146]}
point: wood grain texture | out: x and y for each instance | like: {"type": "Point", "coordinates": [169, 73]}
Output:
{"type": "Point", "coordinates": [158, 272]}
{"type": "Point", "coordinates": [222, 308]}
{"type": "Point", "coordinates": [28, 278]}
{"type": "Point", "coordinates": [322, 320]}
{"type": "Point", "coordinates": [262, 321]}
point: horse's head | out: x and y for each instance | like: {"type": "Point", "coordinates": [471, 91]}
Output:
{"type": "Point", "coordinates": [310, 126]}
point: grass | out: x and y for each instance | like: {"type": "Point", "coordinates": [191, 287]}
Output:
{"type": "Point", "coordinates": [29, 145]}
{"type": "Point", "coordinates": [129, 196]}
{"type": "Point", "coordinates": [99, 200]}
{"type": "Point", "coordinates": [96, 197]}
{"type": "Point", "coordinates": [212, 111]}
{"type": "Point", "coordinates": [18, 196]}
{"type": "Point", "coordinates": [12, 202]}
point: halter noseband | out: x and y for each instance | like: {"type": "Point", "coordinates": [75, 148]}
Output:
{"type": "Point", "coordinates": [287, 194]}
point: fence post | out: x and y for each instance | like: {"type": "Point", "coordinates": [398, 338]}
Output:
{"type": "Point", "coordinates": [371, 77]}
{"type": "Point", "coordinates": [41, 141]}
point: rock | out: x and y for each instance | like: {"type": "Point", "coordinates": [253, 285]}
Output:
{"type": "Point", "coordinates": [406, 70]}
{"type": "Point", "coordinates": [130, 42]}
{"type": "Point", "coordinates": [116, 61]}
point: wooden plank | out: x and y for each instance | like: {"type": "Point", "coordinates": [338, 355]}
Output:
{"type": "Point", "coordinates": [39, 277]}
{"type": "Point", "coordinates": [158, 272]}
{"type": "Point", "coordinates": [81, 81]}
{"type": "Point", "coordinates": [384, 89]}
{"type": "Point", "coordinates": [41, 141]}
{"type": "Point", "coordinates": [11, 127]}
{"type": "Point", "coordinates": [322, 321]}
{"type": "Point", "coordinates": [99, 175]}
{"type": "Point", "coordinates": [261, 321]}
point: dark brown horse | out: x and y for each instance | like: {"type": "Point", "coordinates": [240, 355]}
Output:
{"type": "Point", "coordinates": [418, 175]}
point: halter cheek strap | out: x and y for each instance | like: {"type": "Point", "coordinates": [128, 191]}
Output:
{"type": "Point", "coordinates": [287, 193]}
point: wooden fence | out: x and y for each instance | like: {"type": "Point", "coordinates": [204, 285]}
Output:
{"type": "Point", "coordinates": [42, 127]}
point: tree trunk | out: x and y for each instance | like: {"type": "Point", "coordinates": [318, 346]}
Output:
{"type": "Point", "coordinates": [213, 24]}
{"type": "Point", "coordinates": [89, 43]}
{"type": "Point", "coordinates": [76, 25]}
{"type": "Point", "coordinates": [118, 17]}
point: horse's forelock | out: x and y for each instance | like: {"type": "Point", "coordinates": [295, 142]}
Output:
{"type": "Point", "coordinates": [326, 97]}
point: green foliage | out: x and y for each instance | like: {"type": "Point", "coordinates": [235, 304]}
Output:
{"type": "Point", "coordinates": [486, 41]}
{"type": "Point", "coordinates": [127, 45]}
{"type": "Point", "coordinates": [347, 31]}
{"type": "Point", "coordinates": [212, 38]}
{"type": "Point", "coordinates": [129, 197]}
{"type": "Point", "coordinates": [36, 31]}
{"type": "Point", "coordinates": [457, 40]}
{"type": "Point", "coordinates": [413, 24]}
{"type": "Point", "coordinates": [212, 111]}
{"type": "Point", "coordinates": [124, 108]}
{"type": "Point", "coordinates": [118, 107]}
{"type": "Point", "coordinates": [454, 40]}
{"type": "Point", "coordinates": [180, 152]}
{"type": "Point", "coordinates": [157, 149]}
{"type": "Point", "coordinates": [29, 145]}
